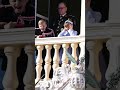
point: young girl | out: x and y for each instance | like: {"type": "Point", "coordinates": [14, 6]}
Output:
{"type": "Point", "coordinates": [67, 31]}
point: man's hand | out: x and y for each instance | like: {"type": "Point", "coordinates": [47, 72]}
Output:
{"type": "Point", "coordinates": [10, 25]}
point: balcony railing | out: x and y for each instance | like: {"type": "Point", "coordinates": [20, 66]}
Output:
{"type": "Point", "coordinates": [56, 43]}
{"type": "Point", "coordinates": [12, 41]}
{"type": "Point", "coordinates": [96, 35]}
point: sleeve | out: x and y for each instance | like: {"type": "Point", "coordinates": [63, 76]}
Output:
{"type": "Point", "coordinates": [61, 33]}
{"type": "Point", "coordinates": [50, 33]}
{"type": "Point", "coordinates": [73, 33]}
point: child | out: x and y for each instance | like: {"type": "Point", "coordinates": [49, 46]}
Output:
{"type": "Point", "coordinates": [67, 31]}
{"type": "Point", "coordinates": [43, 31]}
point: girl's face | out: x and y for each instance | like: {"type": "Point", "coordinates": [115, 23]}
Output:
{"type": "Point", "coordinates": [18, 5]}
{"type": "Point", "coordinates": [66, 26]}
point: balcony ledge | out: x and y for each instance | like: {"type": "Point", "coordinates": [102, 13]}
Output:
{"type": "Point", "coordinates": [17, 36]}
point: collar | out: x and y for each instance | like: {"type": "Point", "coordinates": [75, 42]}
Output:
{"type": "Point", "coordinates": [63, 15]}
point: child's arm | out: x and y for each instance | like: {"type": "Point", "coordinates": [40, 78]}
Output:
{"type": "Point", "coordinates": [73, 33]}
{"type": "Point", "coordinates": [61, 33]}
{"type": "Point", "coordinates": [49, 34]}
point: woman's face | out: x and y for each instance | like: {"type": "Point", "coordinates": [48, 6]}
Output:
{"type": "Point", "coordinates": [18, 5]}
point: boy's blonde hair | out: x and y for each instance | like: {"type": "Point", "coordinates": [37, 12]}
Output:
{"type": "Point", "coordinates": [42, 21]}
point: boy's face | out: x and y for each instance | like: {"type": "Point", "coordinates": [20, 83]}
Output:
{"type": "Point", "coordinates": [42, 25]}
{"type": "Point", "coordinates": [18, 5]}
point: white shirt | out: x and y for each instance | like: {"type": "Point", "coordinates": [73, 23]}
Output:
{"type": "Point", "coordinates": [67, 33]}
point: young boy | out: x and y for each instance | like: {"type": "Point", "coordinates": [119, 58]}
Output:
{"type": "Point", "coordinates": [43, 31]}
{"type": "Point", "coordinates": [15, 15]}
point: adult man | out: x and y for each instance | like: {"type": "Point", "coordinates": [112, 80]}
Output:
{"type": "Point", "coordinates": [90, 15]}
{"type": "Point", "coordinates": [58, 23]}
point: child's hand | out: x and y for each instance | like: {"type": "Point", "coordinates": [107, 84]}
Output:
{"type": "Point", "coordinates": [43, 34]}
{"type": "Point", "coordinates": [40, 36]}
{"type": "Point", "coordinates": [10, 25]}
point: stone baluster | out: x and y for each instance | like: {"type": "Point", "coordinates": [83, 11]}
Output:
{"type": "Point", "coordinates": [82, 55]}
{"type": "Point", "coordinates": [39, 62]}
{"type": "Point", "coordinates": [29, 77]}
{"type": "Point", "coordinates": [64, 56]}
{"type": "Point", "coordinates": [114, 59]}
{"type": "Point", "coordinates": [90, 47]}
{"type": "Point", "coordinates": [47, 61]}
{"type": "Point", "coordinates": [98, 48]}
{"type": "Point", "coordinates": [10, 80]}
{"type": "Point", "coordinates": [82, 51]}
{"type": "Point", "coordinates": [56, 57]}
{"type": "Point", "coordinates": [74, 53]}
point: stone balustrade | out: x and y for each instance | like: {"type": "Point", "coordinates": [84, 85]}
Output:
{"type": "Point", "coordinates": [56, 43]}
{"type": "Point", "coordinates": [96, 35]}
{"type": "Point", "coordinates": [12, 42]}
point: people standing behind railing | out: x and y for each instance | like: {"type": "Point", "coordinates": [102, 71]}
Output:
{"type": "Point", "coordinates": [58, 21]}
{"type": "Point", "coordinates": [43, 30]}
{"type": "Point", "coordinates": [90, 15]}
{"type": "Point", "coordinates": [18, 14]}
{"type": "Point", "coordinates": [67, 31]}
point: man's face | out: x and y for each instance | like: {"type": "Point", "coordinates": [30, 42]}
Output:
{"type": "Point", "coordinates": [62, 9]}
{"type": "Point", "coordinates": [42, 25]}
{"type": "Point", "coordinates": [18, 5]}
